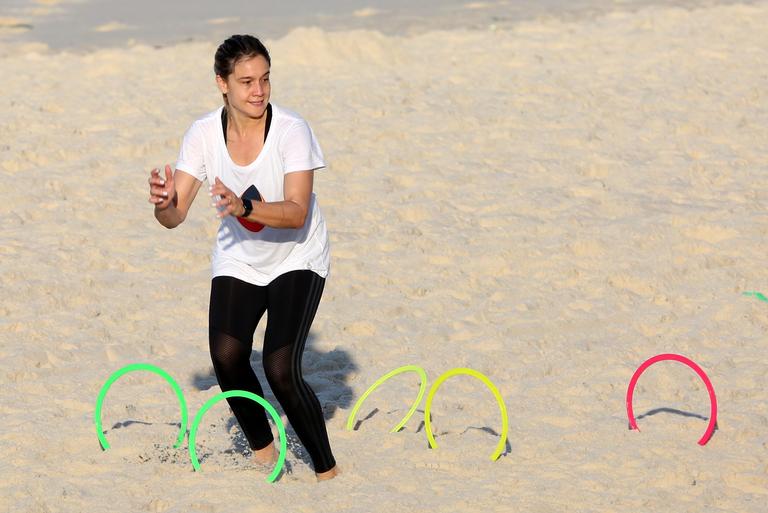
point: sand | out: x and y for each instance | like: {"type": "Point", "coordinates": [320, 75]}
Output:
{"type": "Point", "coordinates": [550, 204]}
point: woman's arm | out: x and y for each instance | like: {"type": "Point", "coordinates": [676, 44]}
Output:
{"type": "Point", "coordinates": [172, 196]}
{"type": "Point", "coordinates": [289, 213]}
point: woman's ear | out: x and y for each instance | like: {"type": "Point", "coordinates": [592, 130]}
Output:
{"type": "Point", "coordinates": [222, 84]}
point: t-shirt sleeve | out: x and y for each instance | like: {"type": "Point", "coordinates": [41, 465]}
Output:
{"type": "Point", "coordinates": [192, 154]}
{"type": "Point", "coordinates": [300, 149]}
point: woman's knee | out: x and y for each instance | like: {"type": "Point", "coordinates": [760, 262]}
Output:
{"type": "Point", "coordinates": [280, 372]}
{"type": "Point", "coordinates": [227, 351]}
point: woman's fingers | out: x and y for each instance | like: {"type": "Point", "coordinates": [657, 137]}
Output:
{"type": "Point", "coordinates": [226, 205]}
{"type": "Point", "coordinates": [223, 205]}
{"type": "Point", "coordinates": [160, 189]}
{"type": "Point", "coordinates": [159, 199]}
{"type": "Point", "coordinates": [225, 201]}
{"type": "Point", "coordinates": [156, 179]}
{"type": "Point", "coordinates": [220, 189]}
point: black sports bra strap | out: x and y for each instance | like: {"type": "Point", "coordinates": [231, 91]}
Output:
{"type": "Point", "coordinates": [269, 121]}
{"type": "Point", "coordinates": [266, 127]}
{"type": "Point", "coordinates": [224, 122]}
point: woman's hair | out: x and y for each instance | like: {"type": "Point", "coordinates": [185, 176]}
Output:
{"type": "Point", "coordinates": [234, 49]}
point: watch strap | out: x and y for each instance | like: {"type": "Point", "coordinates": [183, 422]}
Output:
{"type": "Point", "coordinates": [248, 206]}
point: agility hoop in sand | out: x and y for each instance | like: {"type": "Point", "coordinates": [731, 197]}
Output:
{"type": "Point", "coordinates": [135, 367]}
{"type": "Point", "coordinates": [469, 372]}
{"type": "Point", "coordinates": [399, 370]}
{"type": "Point", "coordinates": [247, 395]}
{"type": "Point", "coordinates": [690, 363]}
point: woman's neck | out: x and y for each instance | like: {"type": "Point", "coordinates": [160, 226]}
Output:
{"type": "Point", "coordinates": [244, 126]}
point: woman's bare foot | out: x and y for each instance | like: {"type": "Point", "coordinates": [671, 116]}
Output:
{"type": "Point", "coordinates": [325, 476]}
{"type": "Point", "coordinates": [266, 456]}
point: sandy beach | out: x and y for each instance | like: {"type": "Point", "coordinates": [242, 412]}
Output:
{"type": "Point", "coordinates": [550, 202]}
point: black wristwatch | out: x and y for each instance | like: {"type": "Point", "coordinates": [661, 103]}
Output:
{"type": "Point", "coordinates": [248, 206]}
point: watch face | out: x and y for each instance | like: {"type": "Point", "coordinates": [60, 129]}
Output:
{"type": "Point", "coordinates": [251, 193]}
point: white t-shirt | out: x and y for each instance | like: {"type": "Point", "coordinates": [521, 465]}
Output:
{"type": "Point", "coordinates": [259, 257]}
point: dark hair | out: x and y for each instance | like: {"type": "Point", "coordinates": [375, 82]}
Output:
{"type": "Point", "coordinates": [234, 49]}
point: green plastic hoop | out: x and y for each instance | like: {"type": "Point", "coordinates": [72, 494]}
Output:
{"type": "Point", "coordinates": [248, 395]}
{"type": "Point", "coordinates": [135, 367]}
{"type": "Point", "coordinates": [399, 370]}
{"type": "Point", "coordinates": [758, 295]}
{"type": "Point", "coordinates": [470, 372]}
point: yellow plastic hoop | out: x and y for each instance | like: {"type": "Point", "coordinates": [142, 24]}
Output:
{"type": "Point", "coordinates": [399, 370]}
{"type": "Point", "coordinates": [470, 372]}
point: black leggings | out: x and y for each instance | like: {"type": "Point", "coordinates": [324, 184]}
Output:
{"type": "Point", "coordinates": [236, 308]}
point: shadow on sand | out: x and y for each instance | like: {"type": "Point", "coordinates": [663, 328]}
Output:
{"type": "Point", "coordinates": [326, 374]}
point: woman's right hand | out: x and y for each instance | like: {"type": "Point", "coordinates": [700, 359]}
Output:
{"type": "Point", "coordinates": [162, 191]}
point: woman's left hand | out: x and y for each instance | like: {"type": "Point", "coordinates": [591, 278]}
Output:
{"type": "Point", "coordinates": [228, 204]}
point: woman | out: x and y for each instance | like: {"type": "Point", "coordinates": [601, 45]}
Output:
{"type": "Point", "coordinates": [271, 250]}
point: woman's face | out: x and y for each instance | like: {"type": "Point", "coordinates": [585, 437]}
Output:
{"type": "Point", "coordinates": [247, 87]}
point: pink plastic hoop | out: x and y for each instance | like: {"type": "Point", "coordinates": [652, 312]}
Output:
{"type": "Point", "coordinates": [690, 363]}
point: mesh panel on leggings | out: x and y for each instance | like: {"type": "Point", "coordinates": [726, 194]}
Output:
{"type": "Point", "coordinates": [231, 361]}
